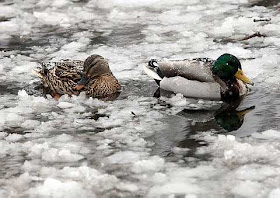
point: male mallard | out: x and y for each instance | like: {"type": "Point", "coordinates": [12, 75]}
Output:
{"type": "Point", "coordinates": [203, 78]}
{"type": "Point", "coordinates": [71, 77]}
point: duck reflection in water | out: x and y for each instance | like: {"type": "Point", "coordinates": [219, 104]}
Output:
{"type": "Point", "coordinates": [221, 119]}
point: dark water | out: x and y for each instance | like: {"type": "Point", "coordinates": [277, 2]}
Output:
{"type": "Point", "coordinates": [266, 3]}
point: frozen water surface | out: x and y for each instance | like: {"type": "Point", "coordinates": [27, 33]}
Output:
{"type": "Point", "coordinates": [137, 145]}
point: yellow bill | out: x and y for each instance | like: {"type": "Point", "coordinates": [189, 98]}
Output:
{"type": "Point", "coordinates": [241, 76]}
{"type": "Point", "coordinates": [241, 114]}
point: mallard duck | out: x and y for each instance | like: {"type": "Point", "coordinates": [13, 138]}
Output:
{"type": "Point", "coordinates": [203, 78]}
{"type": "Point", "coordinates": [71, 77]}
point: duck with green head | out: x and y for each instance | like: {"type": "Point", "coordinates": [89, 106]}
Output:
{"type": "Point", "coordinates": [203, 78]}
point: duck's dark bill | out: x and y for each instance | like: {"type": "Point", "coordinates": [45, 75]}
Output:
{"type": "Point", "coordinates": [241, 76]}
{"type": "Point", "coordinates": [82, 82]}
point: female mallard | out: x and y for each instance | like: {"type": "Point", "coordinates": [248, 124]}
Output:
{"type": "Point", "coordinates": [203, 78]}
{"type": "Point", "coordinates": [71, 77]}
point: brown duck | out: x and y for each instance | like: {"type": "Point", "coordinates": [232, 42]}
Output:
{"type": "Point", "coordinates": [71, 77]}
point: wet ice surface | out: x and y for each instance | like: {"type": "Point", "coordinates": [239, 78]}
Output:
{"type": "Point", "coordinates": [138, 145]}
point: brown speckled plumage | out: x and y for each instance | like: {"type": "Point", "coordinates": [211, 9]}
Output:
{"type": "Point", "coordinates": [62, 78]}
{"type": "Point", "coordinates": [103, 86]}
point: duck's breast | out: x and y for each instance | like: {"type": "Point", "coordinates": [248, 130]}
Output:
{"type": "Point", "coordinates": [103, 86]}
{"type": "Point", "coordinates": [192, 88]}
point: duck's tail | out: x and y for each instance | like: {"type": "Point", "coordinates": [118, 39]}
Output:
{"type": "Point", "coordinates": [38, 73]}
{"type": "Point", "coordinates": [152, 70]}
{"type": "Point", "coordinates": [41, 72]}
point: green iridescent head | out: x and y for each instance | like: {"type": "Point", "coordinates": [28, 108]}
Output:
{"type": "Point", "coordinates": [228, 67]}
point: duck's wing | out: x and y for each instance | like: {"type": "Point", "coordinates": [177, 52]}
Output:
{"type": "Point", "coordinates": [62, 76]}
{"type": "Point", "coordinates": [69, 70]}
{"type": "Point", "coordinates": [195, 69]}
{"type": "Point", "coordinates": [64, 69]}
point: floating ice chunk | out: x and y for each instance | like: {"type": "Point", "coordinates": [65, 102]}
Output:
{"type": "Point", "coordinates": [179, 150]}
{"type": "Point", "coordinates": [127, 187]}
{"type": "Point", "coordinates": [60, 3]}
{"type": "Point", "coordinates": [55, 188]}
{"type": "Point", "coordinates": [37, 149]}
{"type": "Point", "coordinates": [226, 137]}
{"type": "Point", "coordinates": [229, 154]}
{"type": "Point", "coordinates": [275, 193]}
{"type": "Point", "coordinates": [4, 193]}
{"type": "Point", "coordinates": [64, 138]}
{"type": "Point", "coordinates": [231, 137]}
{"type": "Point", "coordinates": [22, 94]}
{"type": "Point", "coordinates": [153, 38]}
{"type": "Point", "coordinates": [30, 124]}
{"type": "Point", "coordinates": [176, 17]}
{"type": "Point", "coordinates": [153, 164]}
{"type": "Point", "coordinates": [9, 26]}
{"type": "Point", "coordinates": [3, 135]}
{"type": "Point", "coordinates": [13, 119]}
{"type": "Point", "coordinates": [55, 155]}
{"type": "Point", "coordinates": [78, 108]}
{"type": "Point", "coordinates": [74, 46]}
{"type": "Point", "coordinates": [65, 105]}
{"type": "Point", "coordinates": [247, 189]}
{"type": "Point", "coordinates": [235, 152]}
{"type": "Point", "coordinates": [22, 182]}
{"type": "Point", "coordinates": [90, 176]}
{"type": "Point", "coordinates": [14, 137]}
{"type": "Point", "coordinates": [190, 196]}
{"type": "Point", "coordinates": [269, 134]}
{"type": "Point", "coordinates": [52, 18]}
{"type": "Point", "coordinates": [28, 166]}
{"type": "Point", "coordinates": [159, 178]}
{"type": "Point", "coordinates": [174, 188]}
{"type": "Point", "coordinates": [178, 100]}
{"type": "Point", "coordinates": [123, 157]}
{"type": "Point", "coordinates": [122, 3]}
{"type": "Point", "coordinates": [8, 11]}
{"type": "Point", "coordinates": [24, 67]}
{"type": "Point", "coordinates": [256, 172]}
